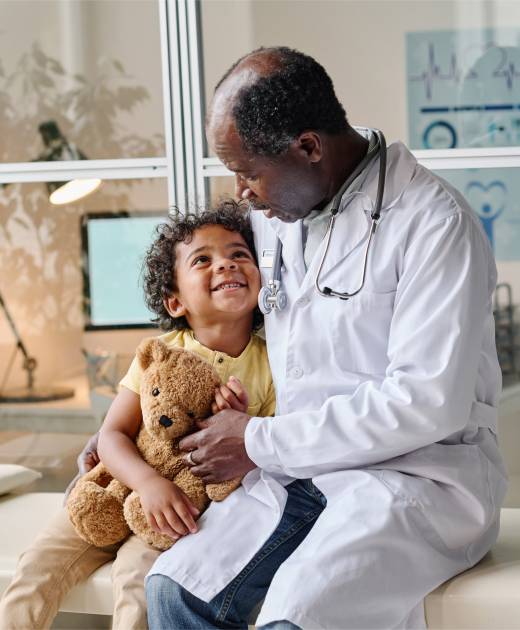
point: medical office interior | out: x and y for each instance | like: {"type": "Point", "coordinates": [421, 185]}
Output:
{"type": "Point", "coordinates": [112, 94]}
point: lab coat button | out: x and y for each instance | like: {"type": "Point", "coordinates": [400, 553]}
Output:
{"type": "Point", "coordinates": [302, 301]}
{"type": "Point", "coordinates": [296, 372]}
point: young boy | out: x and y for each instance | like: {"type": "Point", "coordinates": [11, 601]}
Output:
{"type": "Point", "coordinates": [202, 282]}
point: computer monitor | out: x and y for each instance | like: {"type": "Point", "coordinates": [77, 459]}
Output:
{"type": "Point", "coordinates": [113, 247]}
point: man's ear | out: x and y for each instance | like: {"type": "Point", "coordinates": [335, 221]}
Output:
{"type": "Point", "coordinates": [174, 307]}
{"type": "Point", "coordinates": [310, 144]}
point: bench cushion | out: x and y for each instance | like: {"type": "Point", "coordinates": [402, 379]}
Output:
{"type": "Point", "coordinates": [21, 518]}
{"type": "Point", "coordinates": [488, 595]}
{"type": "Point", "coordinates": [485, 597]}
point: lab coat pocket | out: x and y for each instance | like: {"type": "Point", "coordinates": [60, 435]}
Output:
{"type": "Point", "coordinates": [450, 485]}
{"type": "Point", "coordinates": [360, 331]}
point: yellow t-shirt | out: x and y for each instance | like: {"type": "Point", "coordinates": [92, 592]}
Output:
{"type": "Point", "coordinates": [251, 368]}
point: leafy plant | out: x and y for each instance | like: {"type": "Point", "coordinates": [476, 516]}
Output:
{"type": "Point", "coordinates": [39, 244]}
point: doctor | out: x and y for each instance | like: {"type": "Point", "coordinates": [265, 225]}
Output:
{"type": "Point", "coordinates": [379, 477]}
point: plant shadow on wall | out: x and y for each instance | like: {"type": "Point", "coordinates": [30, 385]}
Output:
{"type": "Point", "coordinates": [40, 272]}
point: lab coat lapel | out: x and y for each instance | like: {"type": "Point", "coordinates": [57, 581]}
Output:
{"type": "Point", "coordinates": [352, 227]}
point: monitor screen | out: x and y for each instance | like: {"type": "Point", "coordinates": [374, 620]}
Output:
{"type": "Point", "coordinates": [114, 245]}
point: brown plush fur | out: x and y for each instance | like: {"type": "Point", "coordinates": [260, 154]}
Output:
{"type": "Point", "coordinates": [176, 385]}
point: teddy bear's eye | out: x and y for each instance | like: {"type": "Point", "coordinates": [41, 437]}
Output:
{"type": "Point", "coordinates": [155, 391]}
{"type": "Point", "coordinates": [191, 414]}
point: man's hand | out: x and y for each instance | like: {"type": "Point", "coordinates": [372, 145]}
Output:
{"type": "Point", "coordinates": [87, 459]}
{"type": "Point", "coordinates": [218, 451]}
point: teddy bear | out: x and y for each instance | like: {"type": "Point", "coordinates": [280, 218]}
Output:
{"type": "Point", "coordinates": [177, 388]}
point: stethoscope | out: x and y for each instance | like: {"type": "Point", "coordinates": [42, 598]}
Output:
{"type": "Point", "coordinates": [272, 296]}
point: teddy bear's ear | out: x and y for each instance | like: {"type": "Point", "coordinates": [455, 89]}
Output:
{"type": "Point", "coordinates": [150, 350]}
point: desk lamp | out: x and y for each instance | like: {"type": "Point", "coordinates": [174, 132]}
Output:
{"type": "Point", "coordinates": [57, 148]}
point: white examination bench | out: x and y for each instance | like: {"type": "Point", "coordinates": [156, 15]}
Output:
{"type": "Point", "coordinates": [485, 597]}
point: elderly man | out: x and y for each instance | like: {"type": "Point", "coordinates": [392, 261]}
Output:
{"type": "Point", "coordinates": [379, 477]}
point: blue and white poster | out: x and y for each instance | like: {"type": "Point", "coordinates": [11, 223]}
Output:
{"type": "Point", "coordinates": [464, 91]}
{"type": "Point", "coordinates": [494, 194]}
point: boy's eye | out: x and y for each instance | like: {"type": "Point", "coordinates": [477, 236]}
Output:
{"type": "Point", "coordinates": [199, 260]}
{"type": "Point", "coordinates": [155, 391]}
{"type": "Point", "coordinates": [240, 254]}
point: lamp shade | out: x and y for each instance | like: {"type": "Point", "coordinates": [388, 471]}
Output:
{"type": "Point", "coordinates": [61, 193]}
{"type": "Point", "coordinates": [57, 148]}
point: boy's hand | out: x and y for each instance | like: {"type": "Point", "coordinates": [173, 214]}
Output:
{"type": "Point", "coordinates": [167, 509]}
{"type": "Point", "coordinates": [232, 395]}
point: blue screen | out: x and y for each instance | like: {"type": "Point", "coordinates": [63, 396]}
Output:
{"type": "Point", "coordinates": [114, 257]}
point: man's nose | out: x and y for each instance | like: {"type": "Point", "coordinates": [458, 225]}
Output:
{"type": "Point", "coordinates": [242, 190]}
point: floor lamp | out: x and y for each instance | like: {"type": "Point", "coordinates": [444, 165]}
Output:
{"type": "Point", "coordinates": [57, 148]}
{"type": "Point", "coordinates": [30, 393]}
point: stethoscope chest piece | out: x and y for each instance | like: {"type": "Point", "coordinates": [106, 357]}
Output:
{"type": "Point", "coordinates": [272, 298]}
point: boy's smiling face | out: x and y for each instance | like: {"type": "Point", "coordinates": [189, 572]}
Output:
{"type": "Point", "coordinates": [216, 278]}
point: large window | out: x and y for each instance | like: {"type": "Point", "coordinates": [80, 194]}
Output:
{"type": "Point", "coordinates": [77, 63]}
{"type": "Point", "coordinates": [128, 82]}
{"type": "Point", "coordinates": [85, 94]}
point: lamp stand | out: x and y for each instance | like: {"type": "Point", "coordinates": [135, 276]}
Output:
{"type": "Point", "coordinates": [29, 394]}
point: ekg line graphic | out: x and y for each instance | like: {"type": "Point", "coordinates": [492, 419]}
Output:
{"type": "Point", "coordinates": [503, 68]}
{"type": "Point", "coordinates": [509, 73]}
{"type": "Point", "coordinates": [433, 71]}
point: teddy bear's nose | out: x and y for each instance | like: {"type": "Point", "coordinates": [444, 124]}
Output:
{"type": "Point", "coordinates": [165, 421]}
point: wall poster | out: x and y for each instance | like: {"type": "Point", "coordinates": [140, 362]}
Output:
{"type": "Point", "coordinates": [464, 91]}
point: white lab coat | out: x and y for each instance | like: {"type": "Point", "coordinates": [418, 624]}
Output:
{"type": "Point", "coordinates": [387, 400]}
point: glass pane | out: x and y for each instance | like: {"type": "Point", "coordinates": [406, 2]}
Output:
{"type": "Point", "coordinates": [432, 74]}
{"type": "Point", "coordinates": [76, 64]}
{"type": "Point", "coordinates": [221, 188]}
{"type": "Point", "coordinates": [41, 275]}
{"type": "Point", "coordinates": [493, 195]}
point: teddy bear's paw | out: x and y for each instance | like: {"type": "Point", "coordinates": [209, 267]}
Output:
{"type": "Point", "coordinates": [97, 516]}
{"type": "Point", "coordinates": [136, 519]}
{"type": "Point", "coordinates": [219, 491]}
{"type": "Point", "coordinates": [160, 541]}
{"type": "Point", "coordinates": [98, 475]}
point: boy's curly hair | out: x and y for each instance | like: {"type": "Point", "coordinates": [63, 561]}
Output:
{"type": "Point", "coordinates": [160, 260]}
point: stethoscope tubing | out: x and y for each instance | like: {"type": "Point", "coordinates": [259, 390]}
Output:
{"type": "Point", "coordinates": [380, 149]}
{"type": "Point", "coordinates": [272, 297]}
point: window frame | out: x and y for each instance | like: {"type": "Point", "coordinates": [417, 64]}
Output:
{"type": "Point", "coordinates": [185, 166]}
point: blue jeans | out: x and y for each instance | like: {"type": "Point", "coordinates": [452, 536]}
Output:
{"type": "Point", "coordinates": [170, 607]}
